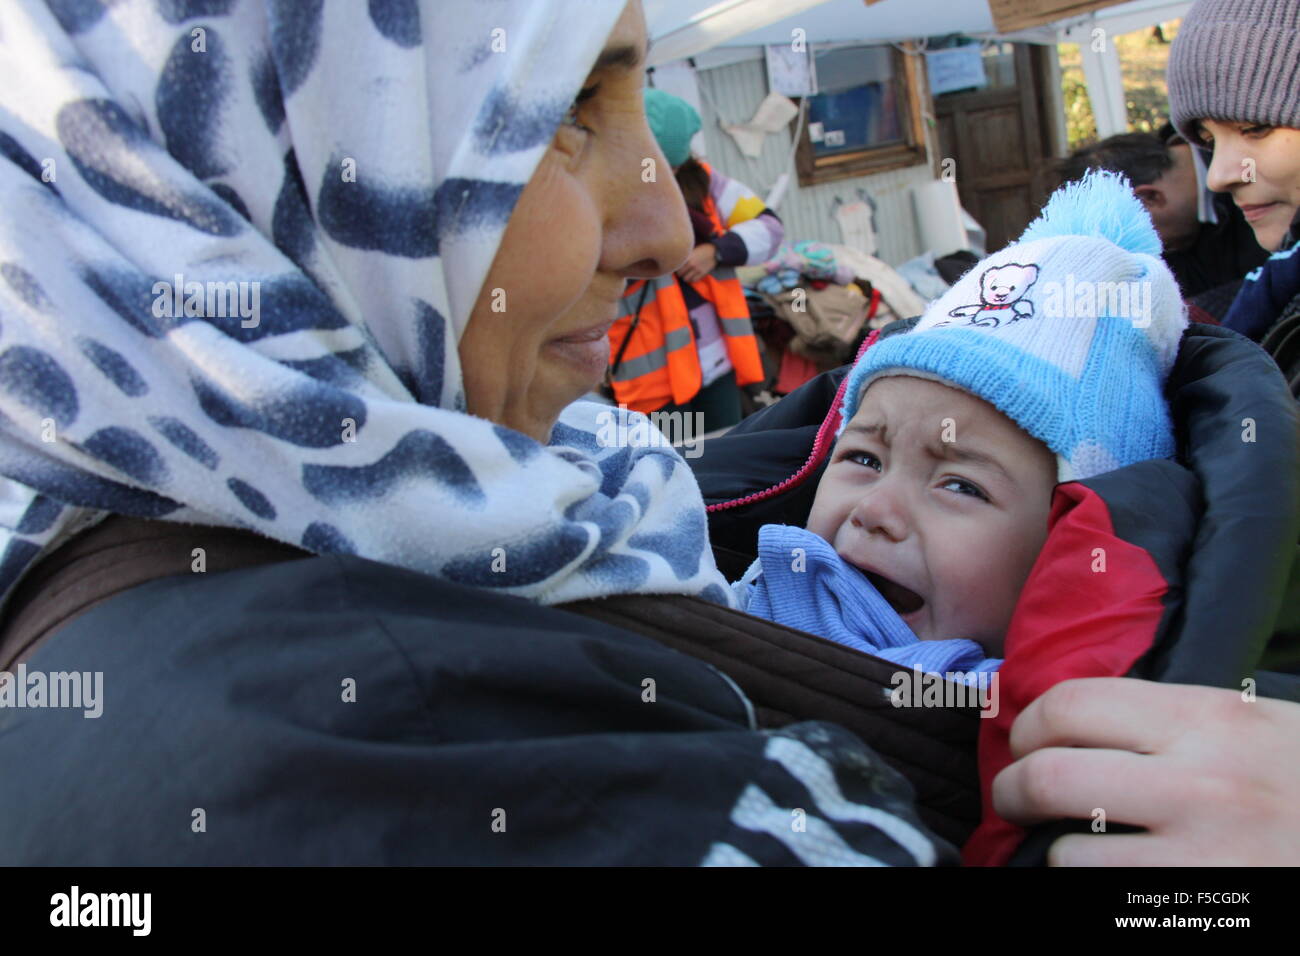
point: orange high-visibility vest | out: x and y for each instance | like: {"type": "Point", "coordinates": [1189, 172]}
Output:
{"type": "Point", "coordinates": [660, 365]}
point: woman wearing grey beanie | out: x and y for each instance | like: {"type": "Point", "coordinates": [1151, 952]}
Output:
{"type": "Point", "coordinates": [1234, 88]}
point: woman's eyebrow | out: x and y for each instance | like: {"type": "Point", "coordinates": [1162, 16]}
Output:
{"type": "Point", "coordinates": [624, 56]}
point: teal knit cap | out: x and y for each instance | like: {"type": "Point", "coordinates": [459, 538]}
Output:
{"type": "Point", "coordinates": [674, 122]}
{"type": "Point", "coordinates": [1070, 332]}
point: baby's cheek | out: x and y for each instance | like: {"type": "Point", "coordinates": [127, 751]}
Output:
{"type": "Point", "coordinates": [1013, 571]}
{"type": "Point", "coordinates": [822, 521]}
{"type": "Point", "coordinates": [818, 526]}
{"type": "Point", "coordinates": [980, 595]}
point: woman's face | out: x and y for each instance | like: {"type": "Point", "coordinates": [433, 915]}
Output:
{"type": "Point", "coordinates": [1260, 167]}
{"type": "Point", "coordinates": [537, 338]}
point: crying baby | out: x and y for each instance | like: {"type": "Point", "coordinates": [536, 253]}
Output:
{"type": "Point", "coordinates": [934, 503]}
{"type": "Point", "coordinates": [927, 520]}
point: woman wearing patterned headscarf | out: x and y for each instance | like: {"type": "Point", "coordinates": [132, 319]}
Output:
{"type": "Point", "coordinates": [314, 287]}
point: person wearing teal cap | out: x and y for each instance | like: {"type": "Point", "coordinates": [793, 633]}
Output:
{"type": "Point", "coordinates": [674, 122]}
{"type": "Point", "coordinates": [685, 343]}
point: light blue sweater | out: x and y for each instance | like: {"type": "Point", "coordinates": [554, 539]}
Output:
{"type": "Point", "coordinates": [817, 591]}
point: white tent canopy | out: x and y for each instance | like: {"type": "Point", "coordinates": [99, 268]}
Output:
{"type": "Point", "coordinates": [682, 28]}
{"type": "Point", "coordinates": [689, 28]}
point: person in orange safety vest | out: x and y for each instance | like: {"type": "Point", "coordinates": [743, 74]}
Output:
{"type": "Point", "coordinates": [684, 342]}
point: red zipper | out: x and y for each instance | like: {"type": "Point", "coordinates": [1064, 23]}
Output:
{"type": "Point", "coordinates": [821, 444]}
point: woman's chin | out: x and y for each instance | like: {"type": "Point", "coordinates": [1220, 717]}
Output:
{"type": "Point", "coordinates": [1272, 230]}
{"type": "Point", "coordinates": [582, 362]}
{"type": "Point", "coordinates": [549, 396]}
{"type": "Point", "coordinates": [568, 371]}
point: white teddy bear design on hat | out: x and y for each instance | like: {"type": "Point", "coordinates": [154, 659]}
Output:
{"type": "Point", "coordinates": [1002, 291]}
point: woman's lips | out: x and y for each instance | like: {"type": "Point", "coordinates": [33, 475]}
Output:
{"type": "Point", "coordinates": [1257, 211]}
{"type": "Point", "coordinates": [587, 350]}
{"type": "Point", "coordinates": [594, 333]}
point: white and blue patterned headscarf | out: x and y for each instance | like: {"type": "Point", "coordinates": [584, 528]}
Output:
{"type": "Point", "coordinates": [358, 160]}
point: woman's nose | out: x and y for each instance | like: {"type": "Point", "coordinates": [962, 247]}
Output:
{"type": "Point", "coordinates": [1226, 169]}
{"type": "Point", "coordinates": [648, 230]}
{"type": "Point", "coordinates": [882, 510]}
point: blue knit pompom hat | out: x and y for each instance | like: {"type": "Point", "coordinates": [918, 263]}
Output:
{"type": "Point", "coordinates": [674, 122]}
{"type": "Point", "coordinates": [1070, 332]}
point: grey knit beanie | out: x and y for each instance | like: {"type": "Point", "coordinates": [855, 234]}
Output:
{"type": "Point", "coordinates": [1236, 61]}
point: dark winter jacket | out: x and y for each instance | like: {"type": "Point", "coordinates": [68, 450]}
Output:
{"type": "Point", "coordinates": [1198, 550]}
{"type": "Point", "coordinates": [334, 710]}
{"type": "Point", "coordinates": [1282, 341]}
{"type": "Point", "coordinates": [1268, 290]}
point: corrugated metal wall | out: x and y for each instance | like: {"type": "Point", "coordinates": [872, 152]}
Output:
{"type": "Point", "coordinates": [735, 92]}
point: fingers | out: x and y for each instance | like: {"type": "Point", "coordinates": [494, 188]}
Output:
{"type": "Point", "coordinates": [1113, 849]}
{"type": "Point", "coordinates": [1112, 712]}
{"type": "Point", "coordinates": [1112, 786]}
{"type": "Point", "coordinates": [698, 264]}
{"type": "Point", "coordinates": [1209, 774]}
{"type": "Point", "coordinates": [1158, 849]}
{"type": "Point", "coordinates": [1152, 849]}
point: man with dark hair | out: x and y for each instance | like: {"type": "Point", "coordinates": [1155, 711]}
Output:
{"type": "Point", "coordinates": [1207, 258]}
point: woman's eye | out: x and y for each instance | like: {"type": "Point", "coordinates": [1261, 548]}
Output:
{"type": "Point", "coordinates": [571, 117]}
{"type": "Point", "coordinates": [964, 487]}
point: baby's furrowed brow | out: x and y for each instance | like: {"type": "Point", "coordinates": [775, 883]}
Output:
{"type": "Point", "coordinates": [874, 429]}
{"type": "Point", "coordinates": [949, 451]}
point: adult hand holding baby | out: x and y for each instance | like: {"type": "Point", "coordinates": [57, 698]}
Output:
{"type": "Point", "coordinates": [1212, 777]}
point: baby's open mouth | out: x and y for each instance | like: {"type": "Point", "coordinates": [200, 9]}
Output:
{"type": "Point", "coordinates": [901, 599]}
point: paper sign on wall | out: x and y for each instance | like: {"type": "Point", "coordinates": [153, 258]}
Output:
{"type": "Point", "coordinates": [772, 115]}
{"type": "Point", "coordinates": [790, 72]}
{"type": "Point", "coordinates": [957, 68]}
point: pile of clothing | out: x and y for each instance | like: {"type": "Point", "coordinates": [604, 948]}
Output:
{"type": "Point", "coordinates": [805, 259]}
{"type": "Point", "coordinates": [813, 304]}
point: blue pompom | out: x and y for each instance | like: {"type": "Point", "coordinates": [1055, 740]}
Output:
{"type": "Point", "coordinates": [1100, 204]}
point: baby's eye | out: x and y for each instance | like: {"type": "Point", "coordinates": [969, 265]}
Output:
{"type": "Point", "coordinates": [571, 117]}
{"type": "Point", "coordinates": [1259, 131]}
{"type": "Point", "coordinates": [864, 458]}
{"type": "Point", "coordinates": [964, 487]}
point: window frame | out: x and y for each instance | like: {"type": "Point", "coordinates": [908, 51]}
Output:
{"type": "Point", "coordinates": [909, 73]}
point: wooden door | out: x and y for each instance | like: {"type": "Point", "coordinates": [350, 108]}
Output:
{"type": "Point", "coordinates": [997, 138]}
